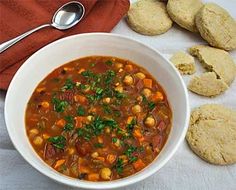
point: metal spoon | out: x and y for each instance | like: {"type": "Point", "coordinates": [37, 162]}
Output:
{"type": "Point", "coordinates": [65, 17]}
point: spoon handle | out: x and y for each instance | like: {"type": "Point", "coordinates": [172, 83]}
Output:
{"type": "Point", "coordinates": [13, 41]}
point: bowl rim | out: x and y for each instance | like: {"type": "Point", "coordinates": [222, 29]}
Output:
{"type": "Point", "coordinates": [99, 185]}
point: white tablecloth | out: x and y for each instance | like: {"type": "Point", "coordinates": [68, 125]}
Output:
{"type": "Point", "coordinates": [184, 171]}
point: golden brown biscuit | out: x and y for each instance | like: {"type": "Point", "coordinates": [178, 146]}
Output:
{"type": "Point", "coordinates": [212, 134]}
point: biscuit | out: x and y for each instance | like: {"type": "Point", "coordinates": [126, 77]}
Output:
{"type": "Point", "coordinates": [216, 26]}
{"type": "Point", "coordinates": [149, 17]}
{"type": "Point", "coordinates": [216, 60]}
{"type": "Point", "coordinates": [212, 134]}
{"type": "Point", "coordinates": [207, 84]}
{"type": "Point", "coordinates": [183, 12]}
{"type": "Point", "coordinates": [183, 62]}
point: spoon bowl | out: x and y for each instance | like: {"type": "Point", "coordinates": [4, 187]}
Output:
{"type": "Point", "coordinates": [64, 18]}
{"type": "Point", "coordinates": [68, 15]}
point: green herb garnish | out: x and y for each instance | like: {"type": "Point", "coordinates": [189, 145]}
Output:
{"type": "Point", "coordinates": [109, 77]}
{"type": "Point", "coordinates": [69, 119]}
{"type": "Point", "coordinates": [117, 113]}
{"type": "Point", "coordinates": [80, 132]}
{"type": "Point", "coordinates": [87, 74]}
{"type": "Point", "coordinates": [119, 166]}
{"type": "Point", "coordinates": [151, 105]}
{"type": "Point", "coordinates": [119, 95]}
{"type": "Point", "coordinates": [69, 84]}
{"type": "Point", "coordinates": [114, 139]}
{"type": "Point", "coordinates": [106, 109]}
{"type": "Point", "coordinates": [98, 145]}
{"type": "Point", "coordinates": [129, 153]}
{"type": "Point", "coordinates": [59, 105]}
{"type": "Point", "coordinates": [68, 127]}
{"type": "Point", "coordinates": [58, 141]}
{"type": "Point", "coordinates": [92, 64]}
{"type": "Point", "coordinates": [80, 111]}
{"type": "Point", "coordinates": [109, 62]}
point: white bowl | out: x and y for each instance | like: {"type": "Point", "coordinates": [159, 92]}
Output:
{"type": "Point", "coordinates": [40, 64]}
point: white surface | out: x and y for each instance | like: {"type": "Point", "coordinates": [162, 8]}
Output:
{"type": "Point", "coordinates": [63, 51]}
{"type": "Point", "coordinates": [184, 171]}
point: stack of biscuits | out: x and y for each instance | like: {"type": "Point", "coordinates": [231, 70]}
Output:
{"type": "Point", "coordinates": [212, 130]}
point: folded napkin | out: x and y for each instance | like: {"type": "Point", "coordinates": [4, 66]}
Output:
{"type": "Point", "coordinates": [18, 17]}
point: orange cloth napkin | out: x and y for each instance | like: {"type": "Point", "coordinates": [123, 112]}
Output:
{"type": "Point", "coordinates": [17, 17]}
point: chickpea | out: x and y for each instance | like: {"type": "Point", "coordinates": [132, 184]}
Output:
{"type": "Point", "coordinates": [100, 139]}
{"type": "Point", "coordinates": [38, 140]}
{"type": "Point", "coordinates": [45, 104]}
{"type": "Point", "coordinates": [140, 98]}
{"type": "Point", "coordinates": [147, 92]}
{"type": "Point", "coordinates": [94, 154]}
{"type": "Point", "coordinates": [107, 130]}
{"type": "Point", "coordinates": [136, 109]}
{"type": "Point", "coordinates": [149, 121]}
{"type": "Point", "coordinates": [105, 173]}
{"type": "Point", "coordinates": [106, 100]}
{"type": "Point", "coordinates": [117, 84]}
{"type": "Point", "coordinates": [118, 65]}
{"type": "Point", "coordinates": [71, 151]}
{"type": "Point", "coordinates": [117, 143]}
{"type": "Point", "coordinates": [121, 70]}
{"type": "Point", "coordinates": [89, 117]}
{"type": "Point", "coordinates": [119, 89]}
{"type": "Point", "coordinates": [128, 80]}
{"type": "Point", "coordinates": [140, 75]}
{"type": "Point", "coordinates": [77, 84]}
{"type": "Point", "coordinates": [34, 132]}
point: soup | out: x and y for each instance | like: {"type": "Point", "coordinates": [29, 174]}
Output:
{"type": "Point", "coordinates": [98, 118]}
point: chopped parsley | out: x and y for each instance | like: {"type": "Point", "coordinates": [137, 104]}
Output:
{"type": "Point", "coordinates": [92, 65]}
{"type": "Point", "coordinates": [68, 126]}
{"type": "Point", "coordinates": [109, 62]}
{"type": "Point", "coordinates": [59, 105]}
{"type": "Point", "coordinates": [119, 166]}
{"type": "Point", "coordinates": [106, 109]}
{"type": "Point", "coordinates": [109, 76]}
{"type": "Point", "coordinates": [98, 145]}
{"type": "Point", "coordinates": [80, 111]}
{"type": "Point", "coordinates": [129, 153]}
{"type": "Point", "coordinates": [69, 84]}
{"type": "Point", "coordinates": [69, 119]}
{"type": "Point", "coordinates": [151, 105]}
{"type": "Point", "coordinates": [117, 113]}
{"type": "Point", "coordinates": [87, 74]}
{"type": "Point", "coordinates": [119, 95]}
{"type": "Point", "coordinates": [58, 141]}
{"type": "Point", "coordinates": [114, 139]}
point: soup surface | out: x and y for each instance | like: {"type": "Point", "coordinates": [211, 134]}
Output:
{"type": "Point", "coordinates": [98, 118]}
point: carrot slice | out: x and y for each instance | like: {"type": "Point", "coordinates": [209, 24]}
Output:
{"type": "Point", "coordinates": [139, 164]}
{"type": "Point", "coordinates": [147, 83]}
{"type": "Point", "coordinates": [93, 177]}
{"type": "Point", "coordinates": [79, 120]}
{"type": "Point", "coordinates": [128, 68]}
{"type": "Point", "coordinates": [137, 133]}
{"type": "Point", "coordinates": [45, 104]}
{"type": "Point", "coordinates": [80, 99]}
{"type": "Point", "coordinates": [61, 123]}
{"type": "Point", "coordinates": [158, 96]}
{"type": "Point", "coordinates": [59, 163]}
{"type": "Point", "coordinates": [81, 70]}
{"type": "Point", "coordinates": [111, 158]}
